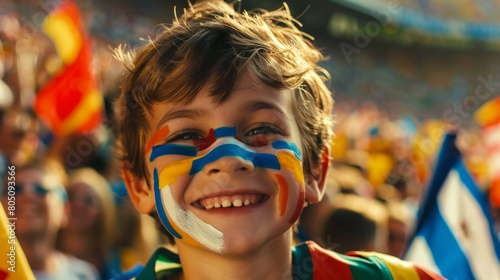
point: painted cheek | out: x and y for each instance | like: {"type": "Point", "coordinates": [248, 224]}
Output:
{"type": "Point", "coordinates": [182, 223]}
{"type": "Point", "coordinates": [161, 209]}
{"type": "Point", "coordinates": [174, 170]}
{"type": "Point", "coordinates": [195, 231]}
{"type": "Point", "coordinates": [299, 206]}
{"type": "Point", "coordinates": [283, 193]}
{"type": "Point", "coordinates": [292, 163]}
{"type": "Point", "coordinates": [164, 216]}
{"type": "Point", "coordinates": [283, 197]}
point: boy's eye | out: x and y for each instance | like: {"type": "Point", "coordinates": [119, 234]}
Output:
{"type": "Point", "coordinates": [185, 136]}
{"type": "Point", "coordinates": [263, 130]}
{"type": "Point", "coordinates": [262, 134]}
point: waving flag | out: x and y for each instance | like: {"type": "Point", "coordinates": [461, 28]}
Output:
{"type": "Point", "coordinates": [70, 102]}
{"type": "Point", "coordinates": [13, 263]}
{"type": "Point", "coordinates": [489, 113]}
{"type": "Point", "coordinates": [488, 116]}
{"type": "Point", "coordinates": [454, 234]}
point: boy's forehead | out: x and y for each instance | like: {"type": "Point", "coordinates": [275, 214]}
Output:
{"type": "Point", "coordinates": [249, 94]}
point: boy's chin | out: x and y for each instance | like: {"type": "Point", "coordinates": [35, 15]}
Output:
{"type": "Point", "coordinates": [243, 244]}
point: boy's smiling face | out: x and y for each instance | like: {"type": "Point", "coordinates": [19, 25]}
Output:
{"type": "Point", "coordinates": [227, 177]}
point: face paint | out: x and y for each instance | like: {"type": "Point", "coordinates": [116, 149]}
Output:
{"type": "Point", "coordinates": [292, 164]}
{"type": "Point", "coordinates": [160, 135]}
{"type": "Point", "coordinates": [160, 210]}
{"type": "Point", "coordinates": [283, 193]}
{"type": "Point", "coordinates": [213, 135]}
{"type": "Point", "coordinates": [280, 144]}
{"type": "Point", "coordinates": [200, 231]}
{"type": "Point", "coordinates": [195, 232]}
{"type": "Point", "coordinates": [173, 149]}
{"type": "Point", "coordinates": [235, 150]}
{"type": "Point", "coordinates": [299, 206]}
{"type": "Point", "coordinates": [186, 225]}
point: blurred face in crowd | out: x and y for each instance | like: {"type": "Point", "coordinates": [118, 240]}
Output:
{"type": "Point", "coordinates": [39, 207]}
{"type": "Point", "coordinates": [227, 177]}
{"type": "Point", "coordinates": [85, 207]}
{"type": "Point", "coordinates": [18, 134]}
{"type": "Point", "coordinates": [397, 237]}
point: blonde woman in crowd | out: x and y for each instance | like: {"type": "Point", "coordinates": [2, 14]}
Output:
{"type": "Point", "coordinates": [90, 231]}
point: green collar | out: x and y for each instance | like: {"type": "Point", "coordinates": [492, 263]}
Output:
{"type": "Point", "coordinates": [161, 265]}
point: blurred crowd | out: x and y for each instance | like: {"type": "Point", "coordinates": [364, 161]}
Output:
{"type": "Point", "coordinates": [73, 211]}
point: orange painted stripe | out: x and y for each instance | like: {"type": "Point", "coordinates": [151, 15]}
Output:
{"type": "Point", "coordinates": [159, 135]}
{"type": "Point", "coordinates": [283, 194]}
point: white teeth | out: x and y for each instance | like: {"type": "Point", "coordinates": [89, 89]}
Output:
{"type": "Point", "coordinates": [226, 203]}
{"type": "Point", "coordinates": [237, 203]}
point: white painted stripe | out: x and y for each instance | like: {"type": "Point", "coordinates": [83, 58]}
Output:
{"type": "Point", "coordinates": [420, 254]}
{"type": "Point", "coordinates": [465, 218]}
{"type": "Point", "coordinates": [200, 231]}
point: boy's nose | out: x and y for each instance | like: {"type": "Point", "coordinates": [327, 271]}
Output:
{"type": "Point", "coordinates": [231, 165]}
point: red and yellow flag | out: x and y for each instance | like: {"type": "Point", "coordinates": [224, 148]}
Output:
{"type": "Point", "coordinates": [70, 103]}
{"type": "Point", "coordinates": [13, 263]}
{"type": "Point", "coordinates": [489, 113]}
{"type": "Point", "coordinates": [488, 116]}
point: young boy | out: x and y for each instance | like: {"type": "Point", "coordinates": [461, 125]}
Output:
{"type": "Point", "coordinates": [224, 132]}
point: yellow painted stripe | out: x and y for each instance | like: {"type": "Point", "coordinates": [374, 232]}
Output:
{"type": "Point", "coordinates": [169, 174]}
{"type": "Point", "coordinates": [291, 163]}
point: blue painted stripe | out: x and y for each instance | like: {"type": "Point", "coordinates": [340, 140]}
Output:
{"type": "Point", "coordinates": [280, 144]}
{"type": "Point", "coordinates": [225, 131]}
{"type": "Point", "coordinates": [481, 200]}
{"type": "Point", "coordinates": [173, 149]}
{"type": "Point", "coordinates": [160, 209]}
{"type": "Point", "coordinates": [443, 245]}
{"type": "Point", "coordinates": [232, 150]}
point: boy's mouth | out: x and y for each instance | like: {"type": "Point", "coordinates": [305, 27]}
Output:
{"type": "Point", "coordinates": [227, 201]}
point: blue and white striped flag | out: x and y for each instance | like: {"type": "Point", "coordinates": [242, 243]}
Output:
{"type": "Point", "coordinates": [454, 234]}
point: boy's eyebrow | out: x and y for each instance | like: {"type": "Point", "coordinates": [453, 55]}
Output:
{"type": "Point", "coordinates": [257, 105]}
{"type": "Point", "coordinates": [183, 113]}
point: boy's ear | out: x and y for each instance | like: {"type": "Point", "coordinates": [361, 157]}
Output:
{"type": "Point", "coordinates": [140, 194]}
{"type": "Point", "coordinates": [315, 185]}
